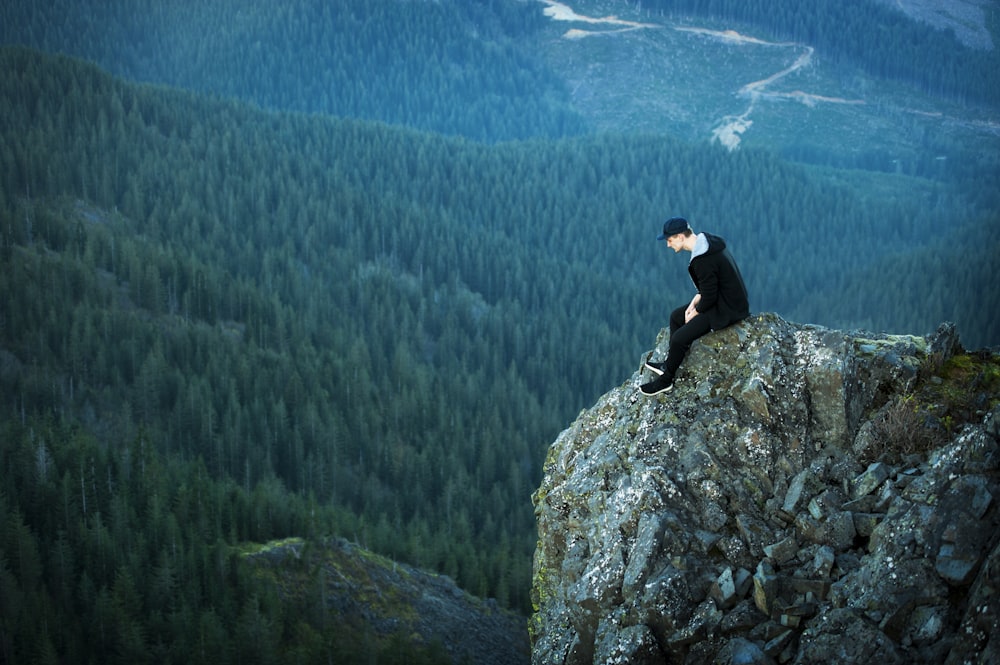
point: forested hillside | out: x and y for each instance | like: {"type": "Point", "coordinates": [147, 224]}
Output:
{"type": "Point", "coordinates": [466, 68]}
{"type": "Point", "coordinates": [453, 67]}
{"type": "Point", "coordinates": [224, 322]}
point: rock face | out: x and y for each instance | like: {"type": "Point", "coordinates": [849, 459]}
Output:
{"type": "Point", "coordinates": [732, 520]}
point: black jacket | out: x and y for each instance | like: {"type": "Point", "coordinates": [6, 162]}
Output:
{"type": "Point", "coordinates": [718, 280]}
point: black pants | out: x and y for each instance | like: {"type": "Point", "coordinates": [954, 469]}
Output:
{"type": "Point", "coordinates": [682, 335]}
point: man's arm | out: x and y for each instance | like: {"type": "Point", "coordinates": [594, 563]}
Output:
{"type": "Point", "coordinates": [692, 309]}
{"type": "Point", "coordinates": [708, 287]}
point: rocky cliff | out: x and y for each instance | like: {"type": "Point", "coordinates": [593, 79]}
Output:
{"type": "Point", "coordinates": [803, 495]}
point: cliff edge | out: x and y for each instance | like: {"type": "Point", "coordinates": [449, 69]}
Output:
{"type": "Point", "coordinates": [803, 495]}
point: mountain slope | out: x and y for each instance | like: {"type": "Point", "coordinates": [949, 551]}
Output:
{"type": "Point", "coordinates": [359, 592]}
{"type": "Point", "coordinates": [449, 67]}
{"type": "Point", "coordinates": [852, 85]}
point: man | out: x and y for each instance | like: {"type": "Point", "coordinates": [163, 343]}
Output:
{"type": "Point", "coordinates": [721, 299]}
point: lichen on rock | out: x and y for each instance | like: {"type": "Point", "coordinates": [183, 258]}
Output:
{"type": "Point", "coordinates": [731, 520]}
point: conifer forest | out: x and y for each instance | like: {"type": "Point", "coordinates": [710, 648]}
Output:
{"type": "Point", "coordinates": [346, 268]}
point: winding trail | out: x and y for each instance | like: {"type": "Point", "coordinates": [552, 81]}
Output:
{"type": "Point", "coordinates": [731, 127]}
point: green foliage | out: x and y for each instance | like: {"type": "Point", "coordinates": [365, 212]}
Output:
{"type": "Point", "coordinates": [949, 394]}
{"type": "Point", "coordinates": [963, 388]}
{"type": "Point", "coordinates": [449, 66]}
{"type": "Point", "coordinates": [132, 557]}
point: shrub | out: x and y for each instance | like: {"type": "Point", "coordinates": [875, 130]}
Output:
{"type": "Point", "coordinates": [903, 428]}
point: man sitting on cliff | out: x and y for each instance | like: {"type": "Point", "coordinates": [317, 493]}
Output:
{"type": "Point", "coordinates": [721, 299]}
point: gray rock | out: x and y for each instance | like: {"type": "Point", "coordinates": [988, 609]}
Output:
{"type": "Point", "coordinates": [741, 618]}
{"type": "Point", "coordinates": [825, 503]}
{"type": "Point", "coordinates": [980, 624]}
{"type": "Point", "coordinates": [783, 550]}
{"type": "Point", "coordinates": [642, 557]}
{"type": "Point", "coordinates": [823, 561]}
{"type": "Point", "coordinates": [803, 485]}
{"type": "Point", "coordinates": [838, 531]}
{"type": "Point", "coordinates": [869, 481]}
{"type": "Point", "coordinates": [765, 588]}
{"type": "Point", "coordinates": [865, 523]}
{"type": "Point", "coordinates": [962, 549]}
{"type": "Point", "coordinates": [652, 512]}
{"type": "Point", "coordinates": [632, 644]}
{"type": "Point", "coordinates": [740, 651]}
{"type": "Point", "coordinates": [723, 590]}
{"type": "Point", "coordinates": [845, 637]}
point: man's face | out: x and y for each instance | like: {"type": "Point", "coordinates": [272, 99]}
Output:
{"type": "Point", "coordinates": [675, 242]}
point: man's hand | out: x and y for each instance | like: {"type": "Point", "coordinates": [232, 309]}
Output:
{"type": "Point", "coordinates": [691, 312]}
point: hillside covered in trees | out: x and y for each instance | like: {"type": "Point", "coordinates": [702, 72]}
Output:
{"type": "Point", "coordinates": [450, 67]}
{"type": "Point", "coordinates": [466, 68]}
{"type": "Point", "coordinates": [226, 322]}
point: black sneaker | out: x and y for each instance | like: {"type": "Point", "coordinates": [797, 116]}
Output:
{"type": "Point", "coordinates": [657, 386]}
{"type": "Point", "coordinates": [656, 368]}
